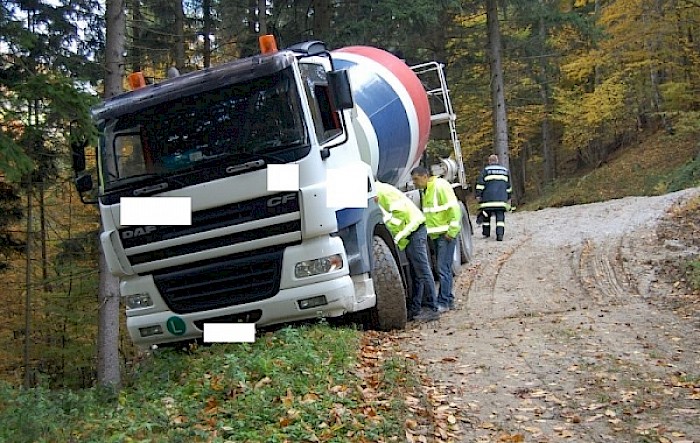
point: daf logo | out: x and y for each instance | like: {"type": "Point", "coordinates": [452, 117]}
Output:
{"type": "Point", "coordinates": [138, 232]}
{"type": "Point", "coordinates": [276, 201]}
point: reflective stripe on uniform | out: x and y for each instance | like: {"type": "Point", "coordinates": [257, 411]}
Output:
{"type": "Point", "coordinates": [396, 205]}
{"type": "Point", "coordinates": [496, 177]}
{"type": "Point", "coordinates": [441, 208]}
{"type": "Point", "coordinates": [389, 219]}
{"type": "Point", "coordinates": [494, 205]}
{"type": "Point", "coordinates": [406, 231]}
{"type": "Point", "coordinates": [480, 187]}
{"type": "Point", "coordinates": [438, 229]}
{"type": "Point", "coordinates": [386, 216]}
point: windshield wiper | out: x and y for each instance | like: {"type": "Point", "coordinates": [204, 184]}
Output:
{"type": "Point", "coordinates": [244, 158]}
{"type": "Point", "coordinates": [267, 157]}
{"type": "Point", "coordinates": [165, 180]}
{"type": "Point", "coordinates": [138, 178]}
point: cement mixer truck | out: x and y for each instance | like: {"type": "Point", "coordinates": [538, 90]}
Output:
{"type": "Point", "coordinates": [252, 253]}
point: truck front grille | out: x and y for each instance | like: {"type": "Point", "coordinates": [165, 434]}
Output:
{"type": "Point", "coordinates": [216, 242]}
{"type": "Point", "coordinates": [251, 224]}
{"type": "Point", "coordinates": [209, 219]}
{"type": "Point", "coordinates": [222, 282]}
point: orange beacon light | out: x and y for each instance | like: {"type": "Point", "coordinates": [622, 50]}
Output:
{"type": "Point", "coordinates": [136, 80]}
{"type": "Point", "coordinates": [267, 43]}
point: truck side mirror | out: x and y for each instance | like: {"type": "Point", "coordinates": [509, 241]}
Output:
{"type": "Point", "coordinates": [341, 94]}
{"type": "Point", "coordinates": [83, 183]}
{"type": "Point", "coordinates": [78, 155]}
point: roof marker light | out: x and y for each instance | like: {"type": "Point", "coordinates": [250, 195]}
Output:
{"type": "Point", "coordinates": [267, 43]}
{"type": "Point", "coordinates": [136, 80]}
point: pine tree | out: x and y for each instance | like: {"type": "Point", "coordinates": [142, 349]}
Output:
{"type": "Point", "coordinates": [43, 76]}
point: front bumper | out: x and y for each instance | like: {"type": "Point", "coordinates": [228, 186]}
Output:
{"type": "Point", "coordinates": [283, 307]}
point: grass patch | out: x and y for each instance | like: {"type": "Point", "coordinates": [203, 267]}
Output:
{"type": "Point", "coordinates": [290, 385]}
{"type": "Point", "coordinates": [399, 377]}
{"type": "Point", "coordinates": [692, 272]}
{"type": "Point", "coordinates": [686, 176]}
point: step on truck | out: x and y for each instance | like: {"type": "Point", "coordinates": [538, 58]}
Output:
{"type": "Point", "coordinates": [253, 254]}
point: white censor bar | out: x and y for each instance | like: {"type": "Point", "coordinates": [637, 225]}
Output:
{"type": "Point", "coordinates": [155, 211]}
{"type": "Point", "coordinates": [229, 332]}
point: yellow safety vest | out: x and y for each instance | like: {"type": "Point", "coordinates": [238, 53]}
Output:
{"type": "Point", "coordinates": [401, 216]}
{"type": "Point", "coordinates": [441, 208]}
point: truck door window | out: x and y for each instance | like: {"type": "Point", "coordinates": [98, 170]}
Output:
{"type": "Point", "coordinates": [129, 155]}
{"type": "Point", "coordinates": [326, 119]}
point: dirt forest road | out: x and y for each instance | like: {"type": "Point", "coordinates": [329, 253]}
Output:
{"type": "Point", "coordinates": [568, 330]}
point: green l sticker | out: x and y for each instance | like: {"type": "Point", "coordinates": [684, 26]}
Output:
{"type": "Point", "coordinates": [176, 325]}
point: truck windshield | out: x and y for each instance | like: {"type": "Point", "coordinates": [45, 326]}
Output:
{"type": "Point", "coordinates": [256, 119]}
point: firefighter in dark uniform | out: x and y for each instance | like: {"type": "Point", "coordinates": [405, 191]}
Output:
{"type": "Point", "coordinates": [493, 191]}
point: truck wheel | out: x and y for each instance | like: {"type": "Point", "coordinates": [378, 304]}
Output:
{"type": "Point", "coordinates": [390, 311]}
{"type": "Point", "coordinates": [465, 243]}
{"type": "Point", "coordinates": [456, 258]}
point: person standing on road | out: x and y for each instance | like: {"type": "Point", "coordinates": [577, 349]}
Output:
{"type": "Point", "coordinates": [443, 220]}
{"type": "Point", "coordinates": [493, 192]}
{"type": "Point", "coordinates": [407, 225]}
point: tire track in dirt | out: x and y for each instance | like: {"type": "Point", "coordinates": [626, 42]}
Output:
{"type": "Point", "coordinates": [601, 274]}
{"type": "Point", "coordinates": [484, 279]}
{"type": "Point", "coordinates": [534, 401]}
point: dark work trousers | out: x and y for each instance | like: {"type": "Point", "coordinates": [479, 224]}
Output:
{"type": "Point", "coordinates": [500, 222]}
{"type": "Point", "coordinates": [422, 276]}
{"type": "Point", "coordinates": [445, 251]}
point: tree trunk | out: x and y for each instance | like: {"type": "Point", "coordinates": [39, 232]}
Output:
{"type": "Point", "coordinates": [252, 17]}
{"type": "Point", "coordinates": [32, 114]}
{"type": "Point", "coordinates": [500, 119]}
{"type": "Point", "coordinates": [596, 69]}
{"type": "Point", "coordinates": [42, 226]}
{"type": "Point", "coordinates": [28, 373]}
{"type": "Point", "coordinates": [262, 17]}
{"type": "Point", "coordinates": [322, 19]}
{"type": "Point", "coordinates": [655, 16]}
{"type": "Point", "coordinates": [547, 146]}
{"type": "Point", "coordinates": [108, 369]}
{"type": "Point", "coordinates": [206, 11]}
{"type": "Point", "coordinates": [136, 54]}
{"type": "Point", "coordinates": [179, 35]}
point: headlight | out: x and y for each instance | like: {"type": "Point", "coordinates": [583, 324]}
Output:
{"type": "Point", "coordinates": [317, 266]}
{"type": "Point", "coordinates": [136, 301]}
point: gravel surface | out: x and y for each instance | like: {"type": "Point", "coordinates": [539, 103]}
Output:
{"type": "Point", "coordinates": [571, 329]}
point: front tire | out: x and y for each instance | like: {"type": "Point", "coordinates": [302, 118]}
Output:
{"type": "Point", "coordinates": [390, 311]}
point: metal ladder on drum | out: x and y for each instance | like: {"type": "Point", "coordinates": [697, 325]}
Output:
{"type": "Point", "coordinates": [432, 76]}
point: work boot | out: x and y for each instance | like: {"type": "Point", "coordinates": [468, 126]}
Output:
{"type": "Point", "coordinates": [499, 238]}
{"type": "Point", "coordinates": [427, 315]}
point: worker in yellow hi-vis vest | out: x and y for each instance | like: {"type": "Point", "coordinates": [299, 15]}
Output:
{"type": "Point", "coordinates": [443, 217]}
{"type": "Point", "coordinates": [407, 225]}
